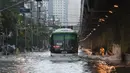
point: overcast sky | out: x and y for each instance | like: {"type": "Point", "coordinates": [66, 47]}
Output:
{"type": "Point", "coordinates": [74, 10]}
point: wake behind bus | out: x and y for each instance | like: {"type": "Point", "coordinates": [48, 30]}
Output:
{"type": "Point", "coordinates": [64, 41]}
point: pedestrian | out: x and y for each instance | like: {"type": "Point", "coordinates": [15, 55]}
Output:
{"type": "Point", "coordinates": [102, 51]}
{"type": "Point", "coordinates": [17, 51]}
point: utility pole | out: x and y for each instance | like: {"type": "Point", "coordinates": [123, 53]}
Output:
{"type": "Point", "coordinates": [24, 26]}
{"type": "Point", "coordinates": [25, 33]}
{"type": "Point", "coordinates": [38, 18]}
{"type": "Point", "coordinates": [53, 17]}
{"type": "Point", "coordinates": [31, 3]}
{"type": "Point", "coordinates": [45, 14]}
{"type": "Point", "coordinates": [16, 36]}
{"type": "Point", "coordinates": [24, 20]}
{"type": "Point", "coordinates": [37, 21]}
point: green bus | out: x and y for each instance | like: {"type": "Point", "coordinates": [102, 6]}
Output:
{"type": "Point", "coordinates": [64, 40]}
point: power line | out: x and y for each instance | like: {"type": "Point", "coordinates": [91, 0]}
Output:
{"type": "Point", "coordinates": [13, 5]}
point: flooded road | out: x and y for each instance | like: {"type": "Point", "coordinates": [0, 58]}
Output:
{"type": "Point", "coordinates": [42, 62]}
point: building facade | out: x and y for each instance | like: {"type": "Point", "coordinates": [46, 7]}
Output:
{"type": "Point", "coordinates": [74, 12]}
{"type": "Point", "coordinates": [59, 10]}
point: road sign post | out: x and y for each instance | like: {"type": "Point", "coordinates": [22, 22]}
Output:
{"type": "Point", "coordinates": [24, 10]}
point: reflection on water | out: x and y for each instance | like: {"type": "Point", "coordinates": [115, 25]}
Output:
{"type": "Point", "coordinates": [44, 63]}
{"type": "Point", "coordinates": [119, 69]}
{"type": "Point", "coordinates": [8, 67]}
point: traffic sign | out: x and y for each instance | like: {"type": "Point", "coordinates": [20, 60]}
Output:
{"type": "Point", "coordinates": [24, 10]}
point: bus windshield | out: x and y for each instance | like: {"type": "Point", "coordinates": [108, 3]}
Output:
{"type": "Point", "coordinates": [63, 40]}
{"type": "Point", "coordinates": [64, 37]}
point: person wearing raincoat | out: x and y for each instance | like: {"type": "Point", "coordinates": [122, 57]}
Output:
{"type": "Point", "coordinates": [102, 51]}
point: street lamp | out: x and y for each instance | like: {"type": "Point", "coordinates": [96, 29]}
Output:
{"type": "Point", "coordinates": [110, 11]}
{"type": "Point", "coordinates": [115, 6]}
{"type": "Point", "coordinates": [101, 20]}
{"type": "Point", "coordinates": [106, 16]}
{"type": "Point", "coordinates": [94, 29]}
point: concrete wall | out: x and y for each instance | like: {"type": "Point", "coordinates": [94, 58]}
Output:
{"type": "Point", "coordinates": [116, 29]}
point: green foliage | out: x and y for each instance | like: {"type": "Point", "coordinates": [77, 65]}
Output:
{"type": "Point", "coordinates": [8, 19]}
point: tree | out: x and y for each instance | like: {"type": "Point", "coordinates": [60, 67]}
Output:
{"type": "Point", "coordinates": [8, 19]}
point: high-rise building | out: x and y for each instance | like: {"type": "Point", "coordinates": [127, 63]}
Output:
{"type": "Point", "coordinates": [50, 7]}
{"type": "Point", "coordinates": [43, 10]}
{"type": "Point", "coordinates": [74, 12]}
{"type": "Point", "coordinates": [59, 10]}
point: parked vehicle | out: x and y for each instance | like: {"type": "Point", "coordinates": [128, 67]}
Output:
{"type": "Point", "coordinates": [8, 49]}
